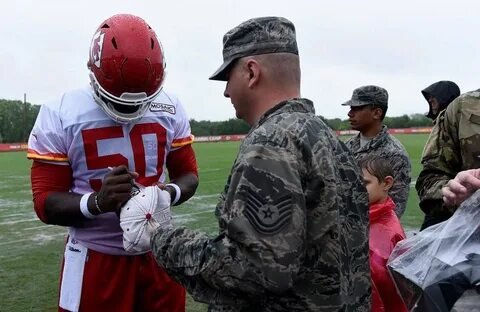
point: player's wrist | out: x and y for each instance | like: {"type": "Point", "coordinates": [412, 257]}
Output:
{"type": "Point", "coordinates": [86, 204]}
{"type": "Point", "coordinates": [93, 204]}
{"type": "Point", "coordinates": [175, 192]}
{"type": "Point", "coordinates": [170, 190]}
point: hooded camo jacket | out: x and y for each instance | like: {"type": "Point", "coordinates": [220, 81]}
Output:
{"type": "Point", "coordinates": [453, 146]}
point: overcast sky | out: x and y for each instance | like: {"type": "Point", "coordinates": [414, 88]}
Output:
{"type": "Point", "coordinates": [403, 46]}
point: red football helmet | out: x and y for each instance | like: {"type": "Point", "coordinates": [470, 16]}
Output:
{"type": "Point", "coordinates": [127, 67]}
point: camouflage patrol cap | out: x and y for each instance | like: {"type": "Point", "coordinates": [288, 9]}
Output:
{"type": "Point", "coordinates": [260, 35]}
{"type": "Point", "coordinates": [368, 95]}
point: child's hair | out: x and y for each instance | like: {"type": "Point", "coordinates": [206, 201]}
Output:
{"type": "Point", "coordinates": [377, 166]}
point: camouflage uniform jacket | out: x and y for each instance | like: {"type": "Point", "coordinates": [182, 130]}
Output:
{"type": "Point", "coordinates": [388, 147]}
{"type": "Point", "coordinates": [453, 146]}
{"type": "Point", "coordinates": [293, 224]}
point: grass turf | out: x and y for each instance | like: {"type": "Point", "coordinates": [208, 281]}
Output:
{"type": "Point", "coordinates": [31, 252]}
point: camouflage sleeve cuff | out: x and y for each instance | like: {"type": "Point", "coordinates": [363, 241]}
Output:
{"type": "Point", "coordinates": [178, 248]}
{"type": "Point", "coordinates": [433, 192]}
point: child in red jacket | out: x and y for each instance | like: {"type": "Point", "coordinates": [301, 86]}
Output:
{"type": "Point", "coordinates": [385, 232]}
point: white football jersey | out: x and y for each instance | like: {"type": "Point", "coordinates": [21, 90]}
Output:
{"type": "Point", "coordinates": [75, 131]}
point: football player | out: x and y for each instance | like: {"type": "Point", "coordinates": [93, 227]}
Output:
{"type": "Point", "coordinates": [89, 147]}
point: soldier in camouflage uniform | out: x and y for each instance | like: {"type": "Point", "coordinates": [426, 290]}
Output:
{"type": "Point", "coordinates": [368, 107]}
{"type": "Point", "coordinates": [453, 146]}
{"type": "Point", "coordinates": [293, 217]}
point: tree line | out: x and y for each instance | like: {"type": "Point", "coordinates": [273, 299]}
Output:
{"type": "Point", "coordinates": [17, 119]}
{"type": "Point", "coordinates": [404, 121]}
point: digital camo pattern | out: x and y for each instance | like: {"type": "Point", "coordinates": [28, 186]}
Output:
{"type": "Point", "coordinates": [453, 146]}
{"type": "Point", "coordinates": [257, 36]}
{"type": "Point", "coordinates": [368, 95]}
{"type": "Point", "coordinates": [386, 146]}
{"type": "Point", "coordinates": [260, 34]}
{"type": "Point", "coordinates": [293, 225]}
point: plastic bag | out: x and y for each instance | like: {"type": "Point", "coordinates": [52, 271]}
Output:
{"type": "Point", "coordinates": [432, 269]}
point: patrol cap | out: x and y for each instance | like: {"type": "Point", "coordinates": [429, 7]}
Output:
{"type": "Point", "coordinates": [260, 35]}
{"type": "Point", "coordinates": [368, 95]}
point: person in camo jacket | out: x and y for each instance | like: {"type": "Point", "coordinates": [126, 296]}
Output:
{"type": "Point", "coordinates": [368, 107]}
{"type": "Point", "coordinates": [453, 146]}
{"type": "Point", "coordinates": [293, 217]}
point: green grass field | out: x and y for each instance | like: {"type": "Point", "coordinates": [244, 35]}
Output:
{"type": "Point", "coordinates": [31, 251]}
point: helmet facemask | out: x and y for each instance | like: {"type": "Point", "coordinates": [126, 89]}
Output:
{"type": "Point", "coordinates": [129, 107]}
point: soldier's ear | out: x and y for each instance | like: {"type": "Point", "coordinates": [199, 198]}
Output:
{"type": "Point", "coordinates": [377, 113]}
{"type": "Point", "coordinates": [254, 72]}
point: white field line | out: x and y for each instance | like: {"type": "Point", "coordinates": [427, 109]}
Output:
{"type": "Point", "coordinates": [15, 215]}
{"type": "Point", "coordinates": [214, 181]}
{"type": "Point", "coordinates": [7, 203]}
{"type": "Point", "coordinates": [38, 227]}
{"type": "Point", "coordinates": [200, 197]}
{"type": "Point", "coordinates": [193, 213]}
{"type": "Point", "coordinates": [18, 221]}
{"type": "Point", "coordinates": [32, 239]}
{"type": "Point", "coordinates": [209, 170]}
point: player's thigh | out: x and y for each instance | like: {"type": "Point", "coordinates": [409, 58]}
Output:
{"type": "Point", "coordinates": [108, 283]}
{"type": "Point", "coordinates": [161, 293]}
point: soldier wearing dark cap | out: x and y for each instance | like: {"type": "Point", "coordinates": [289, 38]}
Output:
{"type": "Point", "coordinates": [368, 108]}
{"type": "Point", "coordinates": [293, 217]}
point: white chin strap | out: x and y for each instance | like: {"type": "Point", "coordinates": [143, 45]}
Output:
{"type": "Point", "coordinates": [107, 100]}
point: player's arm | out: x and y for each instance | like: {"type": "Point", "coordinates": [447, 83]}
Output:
{"type": "Point", "coordinates": [55, 204]}
{"type": "Point", "coordinates": [181, 162]}
{"type": "Point", "coordinates": [262, 247]}
{"type": "Point", "coordinates": [182, 171]}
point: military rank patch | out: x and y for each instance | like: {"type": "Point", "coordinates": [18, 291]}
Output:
{"type": "Point", "coordinates": [267, 217]}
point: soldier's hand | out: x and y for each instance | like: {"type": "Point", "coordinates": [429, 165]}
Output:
{"type": "Point", "coordinates": [461, 187]}
{"type": "Point", "coordinates": [116, 189]}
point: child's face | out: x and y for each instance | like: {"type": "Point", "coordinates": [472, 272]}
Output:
{"type": "Point", "coordinates": [377, 190]}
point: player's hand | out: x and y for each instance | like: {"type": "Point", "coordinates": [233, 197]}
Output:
{"type": "Point", "coordinates": [461, 187]}
{"type": "Point", "coordinates": [169, 189]}
{"type": "Point", "coordinates": [142, 215]}
{"type": "Point", "coordinates": [116, 189]}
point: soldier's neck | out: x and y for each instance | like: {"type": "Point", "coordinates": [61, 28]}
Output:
{"type": "Point", "coordinates": [372, 131]}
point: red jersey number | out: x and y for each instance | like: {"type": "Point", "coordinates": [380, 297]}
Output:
{"type": "Point", "coordinates": [95, 161]}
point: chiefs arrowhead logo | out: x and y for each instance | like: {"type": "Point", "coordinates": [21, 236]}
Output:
{"type": "Point", "coordinates": [96, 48]}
